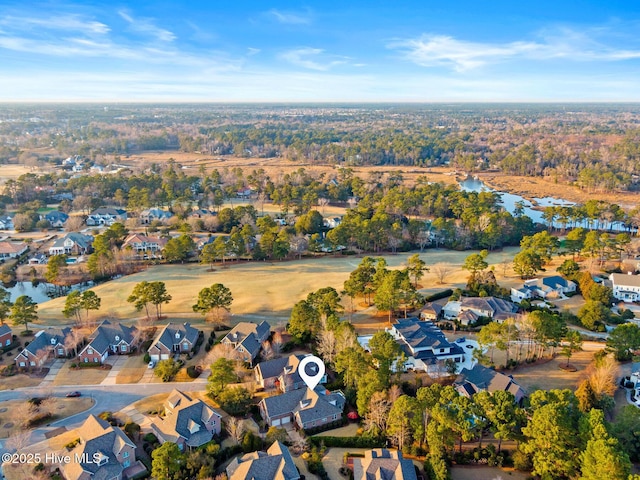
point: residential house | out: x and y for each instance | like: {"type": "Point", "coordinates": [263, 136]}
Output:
{"type": "Point", "coordinates": [12, 249]}
{"type": "Point", "coordinates": [431, 312]}
{"type": "Point", "coordinates": [547, 288]}
{"type": "Point", "coordinates": [246, 339]}
{"type": "Point", "coordinates": [186, 421]}
{"type": "Point", "coordinates": [381, 463]}
{"type": "Point", "coordinates": [281, 374]}
{"type": "Point", "coordinates": [50, 342]}
{"type": "Point", "coordinates": [332, 222]}
{"type": "Point", "coordinates": [38, 259]}
{"type": "Point", "coordinates": [483, 379]}
{"type": "Point", "coordinates": [104, 452]}
{"type": "Point", "coordinates": [143, 244]}
{"type": "Point", "coordinates": [72, 243]}
{"type": "Point", "coordinates": [154, 214]}
{"type": "Point", "coordinates": [6, 335]}
{"type": "Point", "coordinates": [304, 408]}
{"type": "Point", "coordinates": [109, 338]}
{"type": "Point", "coordinates": [6, 222]}
{"type": "Point", "coordinates": [244, 192]}
{"type": "Point", "coordinates": [468, 309]}
{"type": "Point", "coordinates": [173, 338]}
{"type": "Point", "coordinates": [56, 218]}
{"type": "Point", "coordinates": [201, 213]}
{"type": "Point", "coordinates": [106, 216]}
{"type": "Point", "coordinates": [625, 287]}
{"type": "Point", "coordinates": [275, 463]}
{"type": "Point", "coordinates": [634, 378]}
{"type": "Point", "coordinates": [424, 345]}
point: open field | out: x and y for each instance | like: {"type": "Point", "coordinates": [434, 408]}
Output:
{"type": "Point", "coordinates": [19, 381]}
{"type": "Point", "coordinates": [12, 171]}
{"type": "Point", "coordinates": [69, 376]}
{"type": "Point", "coordinates": [260, 289]}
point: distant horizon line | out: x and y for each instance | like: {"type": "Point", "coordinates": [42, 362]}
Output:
{"type": "Point", "coordinates": [321, 102]}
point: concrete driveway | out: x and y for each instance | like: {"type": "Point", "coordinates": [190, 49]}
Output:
{"type": "Point", "coordinates": [116, 362]}
{"type": "Point", "coordinates": [53, 372]}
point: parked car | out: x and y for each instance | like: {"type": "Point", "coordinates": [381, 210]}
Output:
{"type": "Point", "coordinates": [152, 364]}
{"type": "Point", "coordinates": [461, 340]}
{"type": "Point", "coordinates": [74, 394]}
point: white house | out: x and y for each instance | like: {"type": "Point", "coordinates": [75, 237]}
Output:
{"type": "Point", "coordinates": [625, 287]}
{"type": "Point", "coordinates": [548, 287]}
{"type": "Point", "coordinates": [12, 250]}
{"type": "Point", "coordinates": [468, 309]}
{"type": "Point", "coordinates": [106, 216]}
{"type": "Point", "coordinates": [424, 344]}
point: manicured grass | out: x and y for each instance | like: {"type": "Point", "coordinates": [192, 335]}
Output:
{"type": "Point", "coordinates": [133, 370]}
{"type": "Point", "coordinates": [81, 376]}
{"type": "Point", "coordinates": [267, 290]}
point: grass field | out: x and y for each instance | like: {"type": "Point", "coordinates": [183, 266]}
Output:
{"type": "Point", "coordinates": [69, 376]}
{"type": "Point", "coordinates": [260, 289]}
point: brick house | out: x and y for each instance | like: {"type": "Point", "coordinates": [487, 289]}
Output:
{"type": "Point", "coordinates": [281, 373]}
{"type": "Point", "coordinates": [109, 338]}
{"type": "Point", "coordinates": [186, 422]}
{"type": "Point", "coordinates": [6, 335]}
{"type": "Point", "coordinates": [51, 341]}
{"type": "Point", "coordinates": [246, 339]}
{"type": "Point", "coordinates": [105, 452]}
{"type": "Point", "coordinates": [172, 339]}
{"type": "Point", "coordinates": [305, 408]}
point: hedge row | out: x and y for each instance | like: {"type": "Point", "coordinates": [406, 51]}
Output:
{"type": "Point", "coordinates": [349, 442]}
{"type": "Point", "coordinates": [438, 295]}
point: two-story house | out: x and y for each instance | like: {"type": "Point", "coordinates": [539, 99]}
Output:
{"type": "Point", "coordinates": [103, 452]}
{"type": "Point", "coordinates": [56, 218]}
{"type": "Point", "coordinates": [424, 345]}
{"type": "Point", "coordinates": [154, 215]}
{"type": "Point", "coordinates": [625, 287]}
{"type": "Point", "coordinates": [304, 407]}
{"type": "Point", "coordinates": [483, 379]}
{"type": "Point", "coordinates": [6, 222]}
{"type": "Point", "coordinates": [187, 422]}
{"type": "Point", "coordinates": [12, 249]}
{"type": "Point", "coordinates": [281, 374]}
{"type": "Point", "coordinates": [469, 309]}
{"type": "Point", "coordinates": [173, 338]}
{"type": "Point", "coordinates": [106, 216]}
{"type": "Point", "coordinates": [72, 243]}
{"type": "Point", "coordinates": [246, 339]}
{"type": "Point", "coordinates": [546, 288]}
{"type": "Point", "coordinates": [109, 338]}
{"type": "Point", "coordinates": [53, 341]}
{"type": "Point", "coordinates": [143, 244]}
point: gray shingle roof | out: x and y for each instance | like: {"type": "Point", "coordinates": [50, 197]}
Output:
{"type": "Point", "coordinates": [276, 463]}
{"type": "Point", "coordinates": [108, 333]}
{"type": "Point", "coordinates": [249, 335]}
{"type": "Point", "coordinates": [4, 329]}
{"type": "Point", "coordinates": [308, 404]}
{"type": "Point", "coordinates": [173, 334]}
{"type": "Point", "coordinates": [383, 464]}
{"type": "Point", "coordinates": [419, 334]}
{"type": "Point", "coordinates": [481, 378]}
{"type": "Point", "coordinates": [44, 337]}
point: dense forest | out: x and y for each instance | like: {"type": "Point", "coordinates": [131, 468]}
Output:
{"type": "Point", "coordinates": [593, 146]}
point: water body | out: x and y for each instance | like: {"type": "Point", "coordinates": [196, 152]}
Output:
{"type": "Point", "coordinates": [509, 201]}
{"type": "Point", "coordinates": [43, 292]}
{"type": "Point", "coordinates": [37, 293]}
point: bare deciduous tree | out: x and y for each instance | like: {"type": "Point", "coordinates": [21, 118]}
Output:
{"type": "Point", "coordinates": [74, 224]}
{"type": "Point", "coordinates": [235, 428]}
{"type": "Point", "coordinates": [441, 270]}
{"type": "Point", "coordinates": [394, 393]}
{"type": "Point", "coordinates": [376, 418]}
{"type": "Point", "coordinates": [276, 344]}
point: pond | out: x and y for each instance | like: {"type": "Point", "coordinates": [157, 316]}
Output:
{"type": "Point", "coordinates": [509, 200]}
{"type": "Point", "coordinates": [42, 292]}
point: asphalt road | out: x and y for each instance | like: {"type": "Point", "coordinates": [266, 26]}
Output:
{"type": "Point", "coordinates": [112, 398]}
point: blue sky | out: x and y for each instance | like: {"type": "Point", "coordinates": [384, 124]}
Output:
{"type": "Point", "coordinates": [360, 51]}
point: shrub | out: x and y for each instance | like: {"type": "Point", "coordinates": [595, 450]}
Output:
{"type": "Point", "coordinates": [150, 438]}
{"type": "Point", "coordinates": [146, 358]}
{"type": "Point", "coordinates": [348, 442]}
{"type": "Point", "coordinates": [438, 295]}
{"type": "Point", "coordinates": [194, 371]}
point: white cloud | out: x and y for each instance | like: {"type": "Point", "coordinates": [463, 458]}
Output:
{"type": "Point", "coordinates": [145, 26]}
{"type": "Point", "coordinates": [71, 23]}
{"type": "Point", "coordinates": [461, 55]}
{"type": "Point", "coordinates": [253, 51]}
{"type": "Point", "coordinates": [311, 58]}
{"type": "Point", "coordinates": [290, 18]}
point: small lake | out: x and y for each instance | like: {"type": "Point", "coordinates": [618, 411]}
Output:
{"type": "Point", "coordinates": [509, 201]}
{"type": "Point", "coordinates": [41, 293]}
